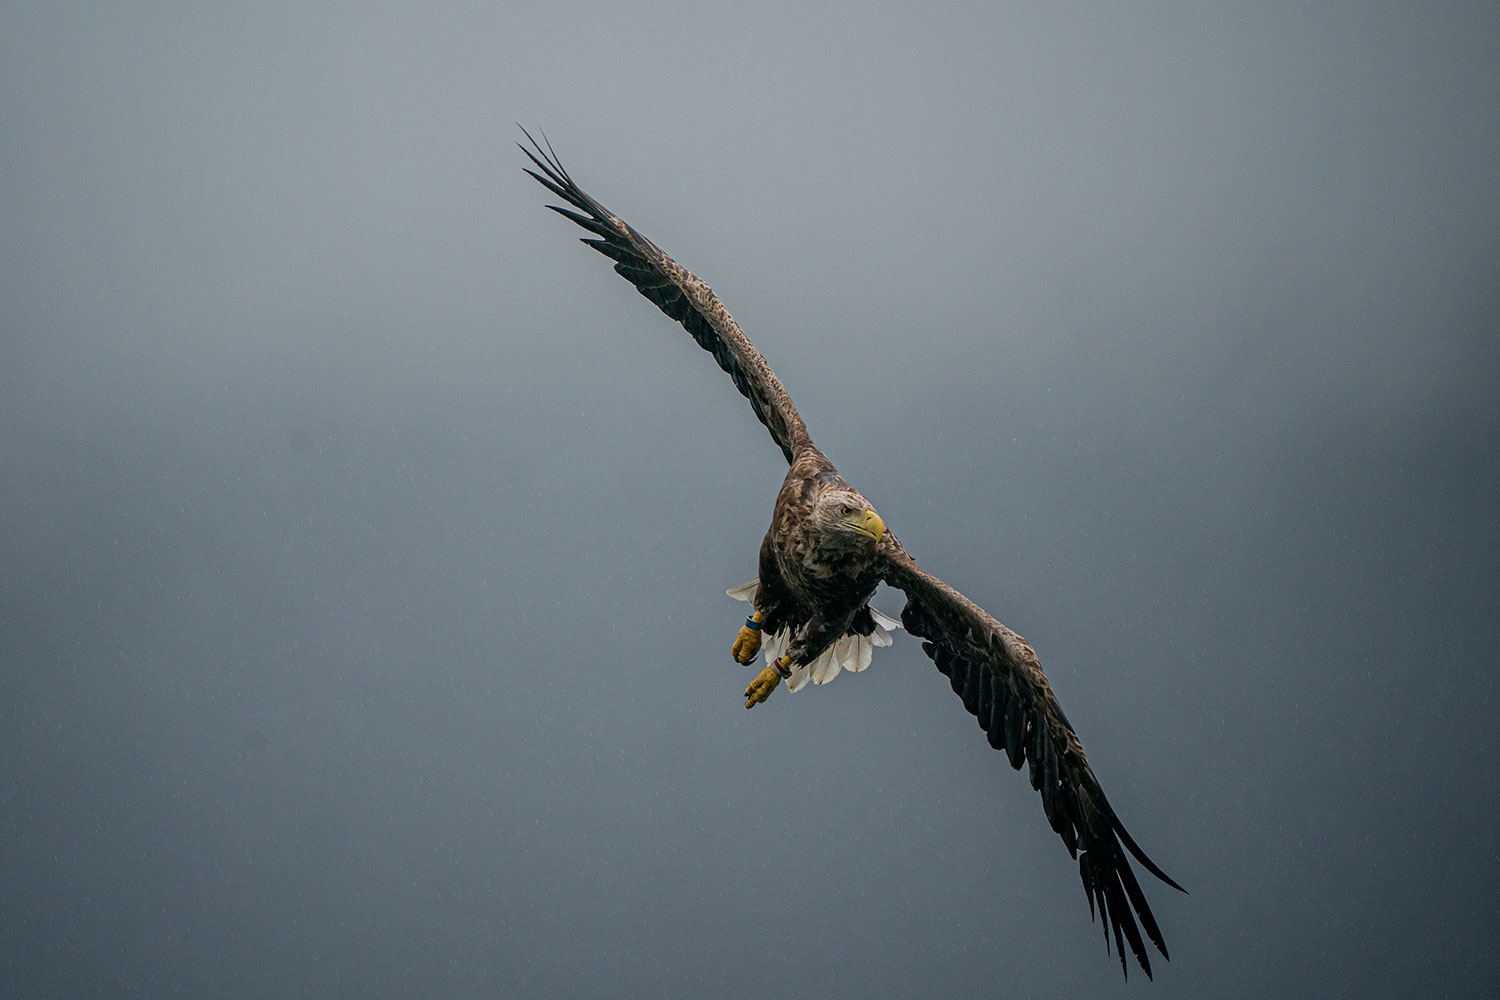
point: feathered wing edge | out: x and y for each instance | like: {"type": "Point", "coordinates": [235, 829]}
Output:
{"type": "Point", "coordinates": [681, 295]}
{"type": "Point", "coordinates": [996, 674]}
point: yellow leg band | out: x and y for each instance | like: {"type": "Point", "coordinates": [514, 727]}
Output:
{"type": "Point", "coordinates": [747, 643]}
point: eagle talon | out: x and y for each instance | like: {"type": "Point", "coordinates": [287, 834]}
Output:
{"type": "Point", "coordinates": [747, 643]}
{"type": "Point", "coordinates": [760, 689]}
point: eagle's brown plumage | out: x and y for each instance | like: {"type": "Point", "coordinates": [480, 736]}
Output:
{"type": "Point", "coordinates": [825, 553]}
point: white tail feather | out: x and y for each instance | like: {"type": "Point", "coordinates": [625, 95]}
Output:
{"type": "Point", "coordinates": [864, 649]}
{"type": "Point", "coordinates": [745, 591]}
{"type": "Point", "coordinates": [846, 651]}
{"type": "Point", "coordinates": [798, 680]}
{"type": "Point", "coordinates": [776, 643]}
{"type": "Point", "coordinates": [825, 668]}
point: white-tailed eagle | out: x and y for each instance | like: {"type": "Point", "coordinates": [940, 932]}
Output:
{"type": "Point", "coordinates": [822, 558]}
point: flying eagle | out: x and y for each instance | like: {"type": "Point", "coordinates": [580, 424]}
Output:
{"type": "Point", "coordinates": [820, 562]}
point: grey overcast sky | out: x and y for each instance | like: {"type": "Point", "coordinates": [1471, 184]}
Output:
{"type": "Point", "coordinates": [363, 538]}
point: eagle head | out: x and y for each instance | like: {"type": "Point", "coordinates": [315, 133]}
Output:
{"type": "Point", "coordinates": [845, 520]}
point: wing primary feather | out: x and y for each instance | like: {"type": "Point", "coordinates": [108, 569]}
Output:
{"type": "Point", "coordinates": [1049, 792]}
{"type": "Point", "coordinates": [1138, 854]}
{"type": "Point", "coordinates": [1125, 923]}
{"type": "Point", "coordinates": [583, 220]}
{"type": "Point", "coordinates": [1138, 903]}
{"type": "Point", "coordinates": [1037, 733]}
{"type": "Point", "coordinates": [546, 182]}
{"type": "Point", "coordinates": [1098, 883]}
{"type": "Point", "coordinates": [1015, 731]}
{"type": "Point", "coordinates": [971, 688]}
{"type": "Point", "coordinates": [1086, 875]}
{"type": "Point", "coordinates": [644, 277]}
{"type": "Point", "coordinates": [1050, 804]}
{"type": "Point", "coordinates": [996, 728]}
{"type": "Point", "coordinates": [1071, 824]}
{"type": "Point", "coordinates": [609, 250]}
{"type": "Point", "coordinates": [1112, 903]}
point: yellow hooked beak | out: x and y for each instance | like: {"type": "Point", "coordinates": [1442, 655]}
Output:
{"type": "Point", "coordinates": [866, 522]}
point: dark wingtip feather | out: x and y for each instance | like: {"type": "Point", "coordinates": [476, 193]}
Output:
{"type": "Point", "coordinates": [553, 165]}
{"type": "Point", "coordinates": [549, 185]}
{"type": "Point", "coordinates": [1140, 855]}
{"type": "Point", "coordinates": [1085, 875]}
{"type": "Point", "coordinates": [592, 225]}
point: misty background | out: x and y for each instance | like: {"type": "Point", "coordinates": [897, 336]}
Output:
{"type": "Point", "coordinates": [363, 538]}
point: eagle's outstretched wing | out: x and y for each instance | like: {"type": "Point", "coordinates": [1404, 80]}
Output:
{"type": "Point", "coordinates": [996, 674]}
{"type": "Point", "coordinates": [682, 296]}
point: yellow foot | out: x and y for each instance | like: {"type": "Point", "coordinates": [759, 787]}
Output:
{"type": "Point", "coordinates": [760, 689]}
{"type": "Point", "coordinates": [747, 643]}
